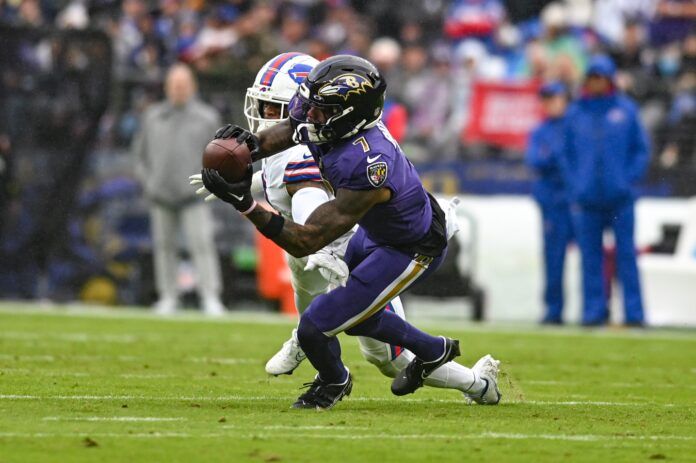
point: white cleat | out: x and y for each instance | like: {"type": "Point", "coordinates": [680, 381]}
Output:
{"type": "Point", "coordinates": [487, 369]}
{"type": "Point", "coordinates": [287, 359]}
{"type": "Point", "coordinates": [213, 306]}
{"type": "Point", "coordinates": [165, 306]}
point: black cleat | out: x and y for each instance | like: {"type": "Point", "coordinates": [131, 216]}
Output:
{"type": "Point", "coordinates": [411, 378]}
{"type": "Point", "coordinates": [323, 396]}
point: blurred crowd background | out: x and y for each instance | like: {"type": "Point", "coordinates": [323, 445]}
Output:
{"type": "Point", "coordinates": [77, 75]}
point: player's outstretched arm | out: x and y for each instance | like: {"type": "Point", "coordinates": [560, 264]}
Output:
{"type": "Point", "coordinates": [263, 144]}
{"type": "Point", "coordinates": [327, 223]}
{"type": "Point", "coordinates": [273, 140]}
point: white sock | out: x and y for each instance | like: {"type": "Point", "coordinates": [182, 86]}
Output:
{"type": "Point", "coordinates": [451, 375]}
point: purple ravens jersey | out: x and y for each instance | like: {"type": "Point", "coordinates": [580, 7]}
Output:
{"type": "Point", "coordinates": [370, 160]}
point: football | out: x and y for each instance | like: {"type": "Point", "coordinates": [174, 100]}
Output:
{"type": "Point", "coordinates": [229, 157]}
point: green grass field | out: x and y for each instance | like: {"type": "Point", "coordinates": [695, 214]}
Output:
{"type": "Point", "coordinates": [81, 385]}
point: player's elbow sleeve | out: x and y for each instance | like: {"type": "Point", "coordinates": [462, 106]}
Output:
{"type": "Point", "coordinates": [305, 201]}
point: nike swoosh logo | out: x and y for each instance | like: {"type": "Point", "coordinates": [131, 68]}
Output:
{"type": "Point", "coordinates": [238, 198]}
{"type": "Point", "coordinates": [369, 159]}
{"type": "Point", "coordinates": [306, 156]}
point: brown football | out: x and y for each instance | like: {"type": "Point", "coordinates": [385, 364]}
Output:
{"type": "Point", "coordinates": [229, 157]}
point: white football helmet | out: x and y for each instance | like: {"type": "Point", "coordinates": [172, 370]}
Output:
{"type": "Point", "coordinates": [276, 82]}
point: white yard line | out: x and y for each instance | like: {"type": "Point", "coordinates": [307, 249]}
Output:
{"type": "Point", "coordinates": [28, 358]}
{"type": "Point", "coordinates": [223, 360]}
{"type": "Point", "coordinates": [78, 357]}
{"type": "Point", "coordinates": [125, 358]}
{"type": "Point", "coordinates": [112, 418]}
{"type": "Point", "coordinates": [239, 398]}
{"type": "Point", "coordinates": [58, 374]}
{"type": "Point", "coordinates": [150, 375]}
{"type": "Point", "coordinates": [274, 427]}
{"type": "Point", "coordinates": [147, 435]}
{"type": "Point", "coordinates": [367, 436]}
{"type": "Point", "coordinates": [72, 337]}
{"type": "Point", "coordinates": [620, 385]}
{"type": "Point", "coordinates": [51, 374]}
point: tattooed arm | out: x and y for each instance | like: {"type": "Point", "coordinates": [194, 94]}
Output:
{"type": "Point", "coordinates": [274, 140]}
{"type": "Point", "coordinates": [328, 222]}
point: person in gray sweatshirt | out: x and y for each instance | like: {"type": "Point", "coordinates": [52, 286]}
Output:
{"type": "Point", "coordinates": [167, 148]}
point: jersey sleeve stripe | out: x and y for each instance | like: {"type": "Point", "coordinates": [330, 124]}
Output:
{"type": "Point", "coordinates": [305, 170]}
{"type": "Point", "coordinates": [302, 178]}
{"type": "Point", "coordinates": [300, 165]}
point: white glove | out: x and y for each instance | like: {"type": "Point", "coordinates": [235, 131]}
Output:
{"type": "Point", "coordinates": [330, 266]}
{"type": "Point", "coordinates": [196, 179]}
{"type": "Point", "coordinates": [256, 185]}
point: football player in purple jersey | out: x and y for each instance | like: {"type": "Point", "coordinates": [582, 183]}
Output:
{"type": "Point", "coordinates": [402, 236]}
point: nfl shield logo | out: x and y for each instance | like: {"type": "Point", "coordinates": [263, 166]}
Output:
{"type": "Point", "coordinates": [377, 174]}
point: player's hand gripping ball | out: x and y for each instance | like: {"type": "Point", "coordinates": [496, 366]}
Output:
{"type": "Point", "coordinates": [237, 194]}
{"type": "Point", "coordinates": [231, 152]}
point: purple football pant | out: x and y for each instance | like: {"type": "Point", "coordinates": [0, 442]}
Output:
{"type": "Point", "coordinates": [377, 275]}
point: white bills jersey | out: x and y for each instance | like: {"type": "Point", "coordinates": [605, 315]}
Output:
{"type": "Point", "coordinates": [296, 165]}
{"type": "Point", "coordinates": [293, 165]}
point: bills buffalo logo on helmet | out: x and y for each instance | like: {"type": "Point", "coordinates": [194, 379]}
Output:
{"type": "Point", "coordinates": [345, 85]}
{"type": "Point", "coordinates": [377, 174]}
{"type": "Point", "coordinates": [299, 72]}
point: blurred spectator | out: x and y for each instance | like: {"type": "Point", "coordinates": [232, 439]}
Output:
{"type": "Point", "coordinates": [473, 18]}
{"type": "Point", "coordinates": [471, 62]}
{"type": "Point", "coordinates": [679, 152]}
{"type": "Point", "coordinates": [635, 74]}
{"type": "Point", "coordinates": [30, 13]}
{"type": "Point", "coordinates": [565, 54]}
{"type": "Point", "coordinates": [674, 20]}
{"type": "Point", "coordinates": [167, 150]}
{"type": "Point", "coordinates": [217, 35]}
{"type": "Point", "coordinates": [688, 59]}
{"type": "Point", "coordinates": [73, 16]}
{"type": "Point", "coordinates": [385, 53]}
{"type": "Point", "coordinates": [611, 18]}
{"type": "Point", "coordinates": [5, 172]}
{"type": "Point", "coordinates": [294, 28]}
{"type": "Point", "coordinates": [606, 154]}
{"type": "Point", "coordinates": [544, 153]}
{"type": "Point", "coordinates": [427, 94]}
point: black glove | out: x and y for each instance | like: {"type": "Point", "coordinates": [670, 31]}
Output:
{"type": "Point", "coordinates": [237, 194]}
{"type": "Point", "coordinates": [242, 136]}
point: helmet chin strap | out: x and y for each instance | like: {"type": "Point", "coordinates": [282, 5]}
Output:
{"type": "Point", "coordinates": [357, 129]}
{"type": "Point", "coordinates": [363, 125]}
{"type": "Point", "coordinates": [308, 132]}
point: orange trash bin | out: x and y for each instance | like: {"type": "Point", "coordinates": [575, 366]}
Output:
{"type": "Point", "coordinates": [273, 275]}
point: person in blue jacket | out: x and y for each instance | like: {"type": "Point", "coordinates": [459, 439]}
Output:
{"type": "Point", "coordinates": [545, 148]}
{"type": "Point", "coordinates": [606, 154]}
